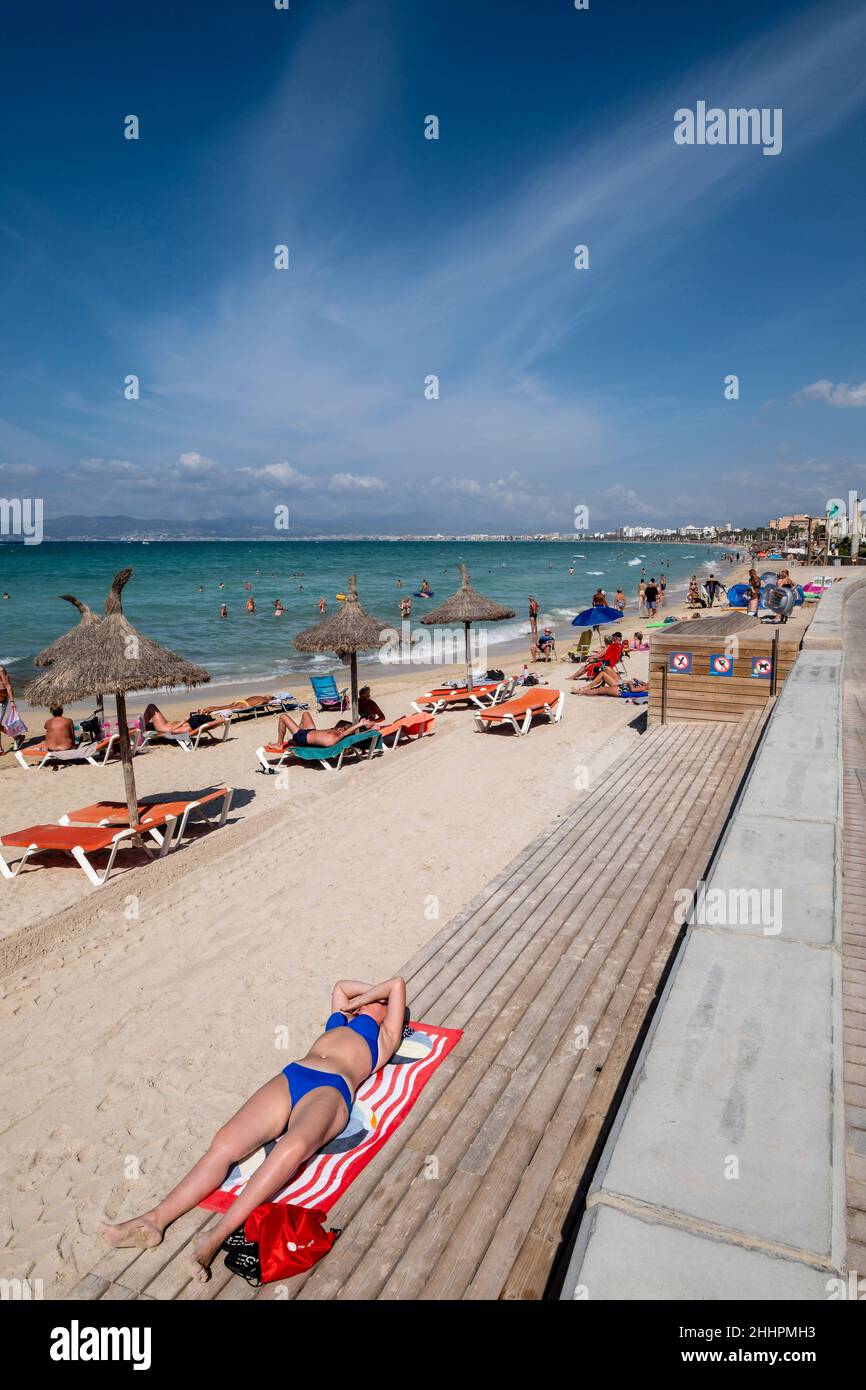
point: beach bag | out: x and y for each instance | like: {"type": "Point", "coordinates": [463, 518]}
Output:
{"type": "Point", "coordinates": [92, 728]}
{"type": "Point", "coordinates": [12, 721]}
{"type": "Point", "coordinates": [290, 1239]}
{"type": "Point", "coordinates": [495, 676]}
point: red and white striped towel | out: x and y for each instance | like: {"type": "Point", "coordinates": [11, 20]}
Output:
{"type": "Point", "coordinates": [381, 1106]}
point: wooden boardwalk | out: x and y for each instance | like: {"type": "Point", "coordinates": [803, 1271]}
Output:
{"type": "Point", "coordinates": [552, 972]}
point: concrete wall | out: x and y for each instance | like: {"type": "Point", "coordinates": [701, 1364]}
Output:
{"type": "Point", "coordinates": [724, 1174]}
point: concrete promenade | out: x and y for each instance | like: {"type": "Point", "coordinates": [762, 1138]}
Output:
{"type": "Point", "coordinates": [725, 1173]}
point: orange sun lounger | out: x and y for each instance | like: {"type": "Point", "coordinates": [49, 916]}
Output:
{"type": "Point", "coordinates": [518, 714]}
{"type": "Point", "coordinates": [105, 826]}
{"type": "Point", "coordinates": [153, 815]}
{"type": "Point", "coordinates": [406, 729]}
{"type": "Point", "coordinates": [481, 696]}
{"type": "Point", "coordinates": [79, 841]}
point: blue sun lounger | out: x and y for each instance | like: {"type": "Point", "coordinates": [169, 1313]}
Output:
{"type": "Point", "coordinates": [330, 758]}
{"type": "Point", "coordinates": [328, 697]}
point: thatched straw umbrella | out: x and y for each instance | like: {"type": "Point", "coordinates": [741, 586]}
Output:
{"type": "Point", "coordinates": [467, 606]}
{"type": "Point", "coordinates": [108, 654]}
{"type": "Point", "coordinates": [49, 655]}
{"type": "Point", "coordinates": [54, 652]}
{"type": "Point", "coordinates": [348, 631]}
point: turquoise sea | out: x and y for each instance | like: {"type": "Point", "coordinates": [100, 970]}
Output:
{"type": "Point", "coordinates": [163, 598]}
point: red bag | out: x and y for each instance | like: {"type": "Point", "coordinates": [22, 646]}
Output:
{"type": "Point", "coordinates": [290, 1239]}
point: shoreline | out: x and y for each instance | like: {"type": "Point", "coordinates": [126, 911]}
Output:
{"type": "Point", "coordinates": [500, 655]}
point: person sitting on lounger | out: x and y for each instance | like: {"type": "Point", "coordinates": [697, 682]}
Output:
{"type": "Point", "coordinates": [306, 735]}
{"type": "Point", "coordinates": [59, 731]}
{"type": "Point", "coordinates": [305, 1106]}
{"type": "Point", "coordinates": [611, 655]}
{"type": "Point", "coordinates": [367, 707]}
{"type": "Point", "coordinates": [608, 683]}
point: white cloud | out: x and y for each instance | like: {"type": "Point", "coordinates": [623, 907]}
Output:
{"type": "Point", "coordinates": [353, 482]}
{"type": "Point", "coordinates": [840, 394]}
{"type": "Point", "coordinates": [99, 467]}
{"type": "Point", "coordinates": [196, 463]}
{"type": "Point", "coordinates": [626, 501]}
{"type": "Point", "coordinates": [18, 470]}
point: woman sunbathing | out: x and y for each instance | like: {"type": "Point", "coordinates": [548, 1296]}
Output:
{"type": "Point", "coordinates": [153, 719]}
{"type": "Point", "coordinates": [305, 1106]}
{"type": "Point", "coordinates": [306, 735]}
{"type": "Point", "coordinates": [607, 682]}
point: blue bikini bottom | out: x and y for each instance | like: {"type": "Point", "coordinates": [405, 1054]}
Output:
{"type": "Point", "coordinates": [303, 1080]}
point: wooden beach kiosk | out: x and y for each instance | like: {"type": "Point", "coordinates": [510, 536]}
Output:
{"type": "Point", "coordinates": [718, 669]}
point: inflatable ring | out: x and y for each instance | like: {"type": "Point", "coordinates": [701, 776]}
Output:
{"type": "Point", "coordinates": [781, 601]}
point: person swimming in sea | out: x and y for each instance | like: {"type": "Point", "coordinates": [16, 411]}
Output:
{"type": "Point", "coordinates": [425, 588]}
{"type": "Point", "coordinates": [250, 604]}
{"type": "Point", "coordinates": [278, 608]}
{"type": "Point", "coordinates": [303, 1107]}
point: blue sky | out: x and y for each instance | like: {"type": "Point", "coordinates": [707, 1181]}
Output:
{"type": "Point", "coordinates": [410, 257]}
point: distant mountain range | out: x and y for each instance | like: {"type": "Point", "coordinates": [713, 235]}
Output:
{"type": "Point", "coordinates": [116, 528]}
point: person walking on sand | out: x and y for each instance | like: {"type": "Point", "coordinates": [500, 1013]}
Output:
{"type": "Point", "coordinates": [663, 584]}
{"type": "Point", "coordinates": [651, 598]}
{"type": "Point", "coordinates": [7, 704]}
{"type": "Point", "coordinates": [619, 600]}
{"type": "Point", "coordinates": [641, 595]}
{"type": "Point", "coordinates": [303, 1107]}
{"type": "Point", "coordinates": [533, 617]}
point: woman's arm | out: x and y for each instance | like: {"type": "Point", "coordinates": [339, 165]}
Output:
{"type": "Point", "coordinates": [395, 1001]}
{"type": "Point", "coordinates": [343, 991]}
{"type": "Point", "coordinates": [373, 994]}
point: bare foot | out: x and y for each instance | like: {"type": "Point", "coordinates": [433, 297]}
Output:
{"type": "Point", "coordinates": [199, 1262]}
{"type": "Point", "coordinates": [141, 1232]}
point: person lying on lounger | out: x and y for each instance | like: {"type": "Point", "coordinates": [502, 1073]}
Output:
{"type": "Point", "coordinates": [154, 719]}
{"type": "Point", "coordinates": [306, 735]}
{"type": "Point", "coordinates": [305, 1106]}
{"type": "Point", "coordinates": [607, 682]}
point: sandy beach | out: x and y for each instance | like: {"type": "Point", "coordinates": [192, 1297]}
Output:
{"type": "Point", "coordinates": [140, 1016]}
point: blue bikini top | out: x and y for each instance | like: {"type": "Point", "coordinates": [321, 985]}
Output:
{"type": "Point", "coordinates": [366, 1028]}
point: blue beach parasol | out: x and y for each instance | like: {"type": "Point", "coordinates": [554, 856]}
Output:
{"type": "Point", "coordinates": [597, 617]}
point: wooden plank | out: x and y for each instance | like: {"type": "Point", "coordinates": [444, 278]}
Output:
{"type": "Point", "coordinates": [496, 1006]}
{"type": "Point", "coordinates": [393, 1246]}
{"type": "Point", "coordinates": [550, 1073]}
{"type": "Point", "coordinates": [533, 1228]}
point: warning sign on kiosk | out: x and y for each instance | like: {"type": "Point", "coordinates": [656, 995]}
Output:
{"type": "Point", "coordinates": [721, 665]}
{"type": "Point", "coordinates": [762, 666]}
{"type": "Point", "coordinates": [680, 663]}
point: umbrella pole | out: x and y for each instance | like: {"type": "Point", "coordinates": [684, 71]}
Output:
{"type": "Point", "coordinates": [126, 759]}
{"type": "Point", "coordinates": [468, 662]}
{"type": "Point", "coordinates": [354, 669]}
